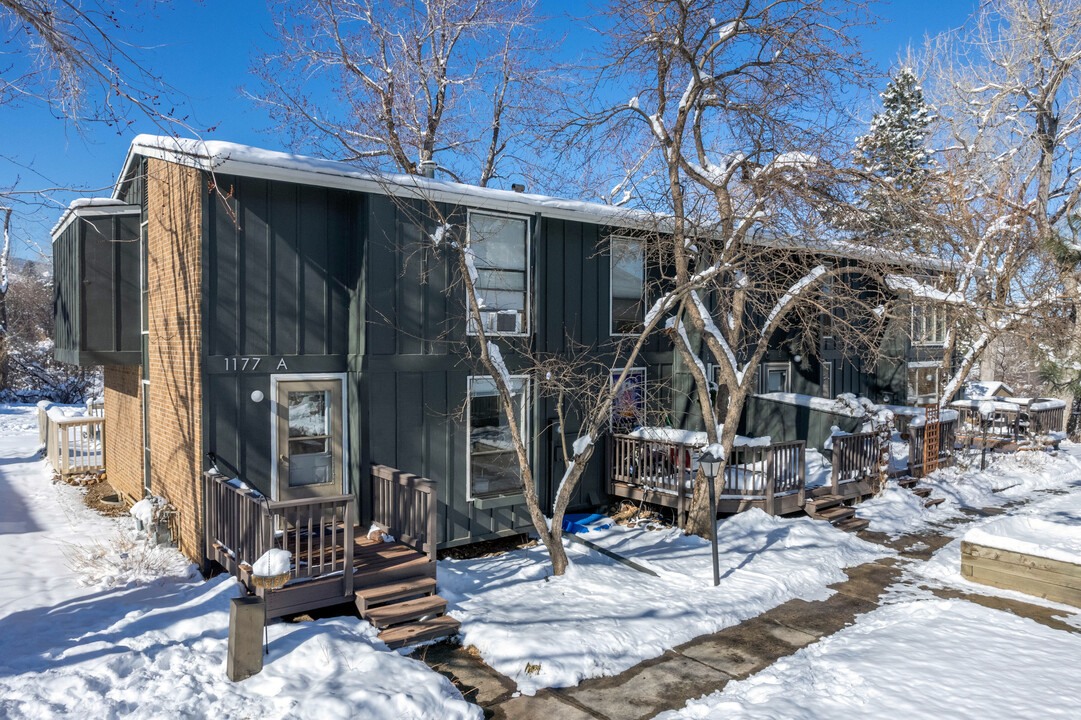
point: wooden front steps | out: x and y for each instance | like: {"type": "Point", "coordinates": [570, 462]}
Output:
{"type": "Point", "coordinates": [832, 509]}
{"type": "Point", "coordinates": [407, 611]}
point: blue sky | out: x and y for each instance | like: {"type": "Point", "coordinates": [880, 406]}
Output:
{"type": "Point", "coordinates": [204, 49]}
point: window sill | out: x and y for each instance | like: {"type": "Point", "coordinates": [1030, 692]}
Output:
{"type": "Point", "coordinates": [488, 503]}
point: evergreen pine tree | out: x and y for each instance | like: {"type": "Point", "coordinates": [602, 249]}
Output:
{"type": "Point", "coordinates": [896, 151]}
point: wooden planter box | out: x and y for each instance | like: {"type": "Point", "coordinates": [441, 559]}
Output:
{"type": "Point", "coordinates": [1030, 574]}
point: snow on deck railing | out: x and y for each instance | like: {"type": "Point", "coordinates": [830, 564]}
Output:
{"type": "Point", "coordinates": [1015, 419]}
{"type": "Point", "coordinates": [74, 442]}
{"type": "Point", "coordinates": [656, 459]}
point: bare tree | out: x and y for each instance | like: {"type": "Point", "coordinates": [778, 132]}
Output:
{"type": "Point", "coordinates": [457, 84]}
{"type": "Point", "coordinates": [1008, 83]}
{"type": "Point", "coordinates": [582, 383]}
{"type": "Point", "coordinates": [737, 103]}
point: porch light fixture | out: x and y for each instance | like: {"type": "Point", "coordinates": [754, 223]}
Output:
{"type": "Point", "coordinates": [711, 465]}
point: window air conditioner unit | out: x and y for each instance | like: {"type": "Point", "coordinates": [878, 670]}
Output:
{"type": "Point", "coordinates": [501, 321]}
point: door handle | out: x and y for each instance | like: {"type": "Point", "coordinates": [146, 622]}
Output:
{"type": "Point", "coordinates": [284, 460]}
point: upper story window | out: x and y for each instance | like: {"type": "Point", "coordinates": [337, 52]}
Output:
{"type": "Point", "coordinates": [500, 245]}
{"type": "Point", "coordinates": [628, 272]}
{"type": "Point", "coordinates": [929, 324]}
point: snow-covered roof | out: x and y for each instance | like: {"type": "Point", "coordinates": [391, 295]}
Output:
{"type": "Point", "coordinates": [90, 207]}
{"type": "Point", "coordinates": [922, 290]}
{"type": "Point", "coordinates": [985, 388]}
{"type": "Point", "coordinates": [236, 159]}
{"type": "Point", "coordinates": [248, 161]}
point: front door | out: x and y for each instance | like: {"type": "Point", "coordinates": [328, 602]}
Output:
{"type": "Point", "coordinates": [309, 430]}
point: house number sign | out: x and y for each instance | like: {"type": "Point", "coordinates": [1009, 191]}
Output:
{"type": "Point", "coordinates": [250, 364]}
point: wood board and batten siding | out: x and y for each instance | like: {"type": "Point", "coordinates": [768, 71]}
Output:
{"type": "Point", "coordinates": [413, 376]}
{"type": "Point", "coordinates": [281, 267]}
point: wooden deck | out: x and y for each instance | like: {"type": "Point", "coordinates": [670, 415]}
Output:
{"type": "Point", "coordinates": [772, 478]}
{"type": "Point", "coordinates": [334, 562]}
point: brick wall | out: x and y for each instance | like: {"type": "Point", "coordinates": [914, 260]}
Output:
{"type": "Point", "coordinates": [124, 430]}
{"type": "Point", "coordinates": [174, 247]}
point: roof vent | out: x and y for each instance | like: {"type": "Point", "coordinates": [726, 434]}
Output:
{"type": "Point", "coordinates": [427, 168]}
{"type": "Point", "coordinates": [517, 187]}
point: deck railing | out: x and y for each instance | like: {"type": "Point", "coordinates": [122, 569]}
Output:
{"type": "Point", "coordinates": [405, 506]}
{"type": "Point", "coordinates": [241, 525]}
{"type": "Point", "coordinates": [855, 457]}
{"type": "Point", "coordinates": [760, 471]}
{"type": "Point", "coordinates": [74, 445]}
{"type": "Point", "coordinates": [1017, 423]}
{"type": "Point", "coordinates": [947, 438]}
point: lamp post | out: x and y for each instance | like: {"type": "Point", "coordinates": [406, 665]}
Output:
{"type": "Point", "coordinates": [987, 409]}
{"type": "Point", "coordinates": [710, 464]}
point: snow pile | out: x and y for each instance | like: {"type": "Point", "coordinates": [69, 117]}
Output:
{"type": "Point", "coordinates": [1010, 478]}
{"type": "Point", "coordinates": [898, 511]}
{"type": "Point", "coordinates": [1030, 536]}
{"type": "Point", "coordinates": [692, 437]}
{"type": "Point", "coordinates": [913, 660]}
{"type": "Point", "coordinates": [273, 562]}
{"type": "Point", "coordinates": [144, 511]}
{"type": "Point", "coordinates": [602, 617]}
{"type": "Point", "coordinates": [158, 648]}
{"type": "Point", "coordinates": [377, 533]}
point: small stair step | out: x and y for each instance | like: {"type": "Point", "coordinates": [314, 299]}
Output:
{"type": "Point", "coordinates": [418, 632]}
{"type": "Point", "coordinates": [852, 524]}
{"type": "Point", "coordinates": [824, 501]}
{"type": "Point", "coordinates": [835, 514]}
{"type": "Point", "coordinates": [907, 482]}
{"type": "Point", "coordinates": [371, 596]}
{"type": "Point", "coordinates": [922, 492]}
{"type": "Point", "coordinates": [401, 612]}
{"type": "Point", "coordinates": [934, 501]}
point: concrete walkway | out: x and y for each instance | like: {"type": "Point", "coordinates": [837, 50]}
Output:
{"type": "Point", "coordinates": [706, 664]}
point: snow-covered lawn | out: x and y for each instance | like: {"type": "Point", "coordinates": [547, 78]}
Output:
{"type": "Point", "coordinates": [1060, 509]}
{"type": "Point", "coordinates": [918, 659]}
{"type": "Point", "coordinates": [603, 617]}
{"type": "Point", "coordinates": [149, 639]}
{"type": "Point", "coordinates": [1007, 479]}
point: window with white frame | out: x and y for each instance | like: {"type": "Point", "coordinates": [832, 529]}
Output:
{"type": "Point", "coordinates": [628, 281]}
{"type": "Point", "coordinates": [500, 253]}
{"type": "Point", "coordinates": [826, 382]}
{"type": "Point", "coordinates": [924, 383]}
{"type": "Point", "coordinates": [629, 404]}
{"type": "Point", "coordinates": [493, 461]}
{"type": "Point", "coordinates": [929, 324]}
{"type": "Point", "coordinates": [774, 377]}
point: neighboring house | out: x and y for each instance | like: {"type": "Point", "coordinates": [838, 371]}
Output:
{"type": "Point", "coordinates": [980, 389]}
{"type": "Point", "coordinates": [289, 321]}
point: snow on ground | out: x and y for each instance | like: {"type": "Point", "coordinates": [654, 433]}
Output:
{"type": "Point", "coordinates": [1062, 507]}
{"type": "Point", "coordinates": [156, 646]}
{"type": "Point", "coordinates": [923, 659]}
{"type": "Point", "coordinates": [602, 617]}
{"type": "Point", "coordinates": [1008, 478]}
{"type": "Point", "coordinates": [1032, 536]}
